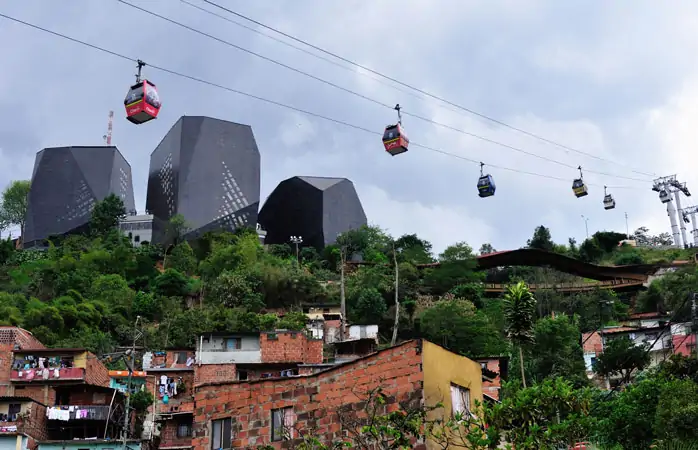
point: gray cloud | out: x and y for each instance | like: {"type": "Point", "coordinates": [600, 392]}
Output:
{"type": "Point", "coordinates": [600, 78]}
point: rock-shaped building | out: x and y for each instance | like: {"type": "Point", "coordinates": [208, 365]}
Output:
{"type": "Point", "coordinates": [208, 171]}
{"type": "Point", "coordinates": [314, 208]}
{"type": "Point", "coordinates": [66, 183]}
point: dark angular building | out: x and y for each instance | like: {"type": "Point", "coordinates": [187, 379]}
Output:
{"type": "Point", "coordinates": [315, 208]}
{"type": "Point", "coordinates": [66, 183]}
{"type": "Point", "coordinates": [207, 170]}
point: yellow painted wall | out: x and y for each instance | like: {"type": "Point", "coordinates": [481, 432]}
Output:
{"type": "Point", "coordinates": [80, 360]}
{"type": "Point", "coordinates": [441, 368]}
{"type": "Point", "coordinates": [5, 407]}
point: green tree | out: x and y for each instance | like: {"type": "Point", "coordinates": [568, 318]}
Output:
{"type": "Point", "coordinates": [541, 239]}
{"type": "Point", "coordinates": [411, 248]}
{"type": "Point", "coordinates": [486, 249]}
{"type": "Point", "coordinates": [621, 357]}
{"type": "Point", "coordinates": [677, 411]}
{"type": "Point", "coordinates": [175, 229]}
{"type": "Point", "coordinates": [171, 283]}
{"type": "Point", "coordinates": [107, 214]}
{"type": "Point", "coordinates": [519, 311]}
{"type": "Point", "coordinates": [13, 209]}
{"type": "Point", "coordinates": [556, 351]}
{"type": "Point", "coordinates": [459, 251]}
{"type": "Point", "coordinates": [458, 326]}
{"type": "Point", "coordinates": [182, 258]}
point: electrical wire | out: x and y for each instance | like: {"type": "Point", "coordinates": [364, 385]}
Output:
{"type": "Point", "coordinates": [276, 103]}
{"type": "Point", "coordinates": [314, 55]}
{"type": "Point", "coordinates": [365, 97]}
{"type": "Point", "coordinates": [421, 91]}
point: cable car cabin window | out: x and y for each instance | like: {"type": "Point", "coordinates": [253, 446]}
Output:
{"type": "Point", "coordinates": [391, 133]}
{"type": "Point", "coordinates": [483, 181]}
{"type": "Point", "coordinates": [151, 95]}
{"type": "Point", "coordinates": [134, 95]}
{"type": "Point", "coordinates": [577, 184]}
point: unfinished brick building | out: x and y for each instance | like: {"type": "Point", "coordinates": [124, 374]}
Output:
{"type": "Point", "coordinates": [245, 414]}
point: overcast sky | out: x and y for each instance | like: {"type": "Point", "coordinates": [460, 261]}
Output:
{"type": "Point", "coordinates": [618, 80]}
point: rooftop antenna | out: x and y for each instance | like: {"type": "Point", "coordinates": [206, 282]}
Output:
{"type": "Point", "coordinates": [107, 137]}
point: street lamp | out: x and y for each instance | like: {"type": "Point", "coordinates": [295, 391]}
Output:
{"type": "Point", "coordinates": [297, 240]}
{"type": "Point", "coordinates": [586, 224]}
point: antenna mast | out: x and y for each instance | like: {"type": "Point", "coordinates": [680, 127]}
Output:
{"type": "Point", "coordinates": [107, 137]}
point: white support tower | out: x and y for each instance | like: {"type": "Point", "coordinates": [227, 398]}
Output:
{"type": "Point", "coordinates": [691, 211]}
{"type": "Point", "coordinates": [667, 186]}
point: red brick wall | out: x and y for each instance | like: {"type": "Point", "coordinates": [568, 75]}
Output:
{"type": "Point", "coordinates": [214, 373]}
{"type": "Point", "coordinates": [20, 336]}
{"type": "Point", "coordinates": [492, 388]}
{"type": "Point", "coordinates": [5, 367]}
{"type": "Point", "coordinates": [315, 399]}
{"type": "Point", "coordinates": [35, 424]}
{"type": "Point", "coordinates": [168, 433]}
{"type": "Point", "coordinates": [684, 345]}
{"type": "Point", "coordinates": [290, 346]}
{"type": "Point", "coordinates": [184, 400]}
{"type": "Point", "coordinates": [96, 373]}
{"type": "Point", "coordinates": [170, 358]}
{"type": "Point", "coordinates": [85, 395]}
{"type": "Point", "coordinates": [593, 343]}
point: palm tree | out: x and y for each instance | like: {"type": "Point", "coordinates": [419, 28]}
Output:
{"type": "Point", "coordinates": [519, 310]}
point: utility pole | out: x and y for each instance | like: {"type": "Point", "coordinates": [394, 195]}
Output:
{"type": "Point", "coordinates": [130, 366]}
{"type": "Point", "coordinates": [627, 230]}
{"type": "Point", "coordinates": [342, 295]}
{"type": "Point", "coordinates": [586, 224]}
{"type": "Point", "coordinates": [297, 240]}
{"type": "Point", "coordinates": [694, 321]}
{"type": "Point", "coordinates": [397, 299]}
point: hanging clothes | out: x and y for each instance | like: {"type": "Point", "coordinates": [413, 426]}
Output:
{"type": "Point", "coordinates": [163, 380]}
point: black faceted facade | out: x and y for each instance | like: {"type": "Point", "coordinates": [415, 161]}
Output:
{"type": "Point", "coordinates": [66, 183]}
{"type": "Point", "coordinates": [207, 170]}
{"type": "Point", "coordinates": [315, 208]}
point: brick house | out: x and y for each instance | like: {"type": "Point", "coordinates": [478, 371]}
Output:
{"type": "Point", "coordinates": [245, 414]}
{"type": "Point", "coordinates": [49, 395]}
{"type": "Point", "coordinates": [249, 356]}
{"type": "Point", "coordinates": [170, 375]}
{"type": "Point", "coordinates": [494, 370]}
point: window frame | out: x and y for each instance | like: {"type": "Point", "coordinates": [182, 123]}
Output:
{"type": "Point", "coordinates": [189, 428]}
{"type": "Point", "coordinates": [286, 432]}
{"type": "Point", "coordinates": [463, 396]}
{"type": "Point", "coordinates": [221, 423]}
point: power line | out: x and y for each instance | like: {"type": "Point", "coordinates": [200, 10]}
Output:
{"type": "Point", "coordinates": [421, 91]}
{"type": "Point", "coordinates": [276, 103]}
{"type": "Point", "coordinates": [365, 97]}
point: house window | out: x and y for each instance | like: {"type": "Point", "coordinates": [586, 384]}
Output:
{"type": "Point", "coordinates": [181, 358]}
{"type": "Point", "coordinates": [242, 375]}
{"type": "Point", "coordinates": [593, 362]}
{"type": "Point", "coordinates": [282, 423]}
{"type": "Point", "coordinates": [460, 400]}
{"type": "Point", "coordinates": [233, 344]}
{"type": "Point", "coordinates": [221, 432]}
{"type": "Point", "coordinates": [183, 430]}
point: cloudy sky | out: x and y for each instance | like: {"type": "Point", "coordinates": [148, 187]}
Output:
{"type": "Point", "coordinates": [612, 79]}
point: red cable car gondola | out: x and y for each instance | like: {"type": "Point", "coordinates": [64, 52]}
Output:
{"type": "Point", "coordinates": [394, 139]}
{"type": "Point", "coordinates": [142, 101]}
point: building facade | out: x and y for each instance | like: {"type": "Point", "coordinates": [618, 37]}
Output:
{"type": "Point", "coordinates": [207, 170]}
{"type": "Point", "coordinates": [66, 183]}
{"type": "Point", "coordinates": [138, 228]}
{"type": "Point", "coordinates": [245, 414]}
{"type": "Point", "coordinates": [315, 208]}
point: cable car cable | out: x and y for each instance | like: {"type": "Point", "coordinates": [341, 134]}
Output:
{"type": "Point", "coordinates": [365, 97]}
{"type": "Point", "coordinates": [315, 55]}
{"type": "Point", "coordinates": [283, 105]}
{"type": "Point", "coordinates": [421, 91]}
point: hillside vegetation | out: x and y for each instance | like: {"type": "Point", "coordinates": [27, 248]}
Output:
{"type": "Point", "coordinates": [87, 290]}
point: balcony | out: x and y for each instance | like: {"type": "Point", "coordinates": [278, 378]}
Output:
{"type": "Point", "coordinates": [40, 375]}
{"type": "Point", "coordinates": [78, 412]}
{"type": "Point", "coordinates": [229, 356]}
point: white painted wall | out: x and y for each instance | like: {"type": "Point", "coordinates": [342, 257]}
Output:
{"type": "Point", "coordinates": [363, 331]}
{"type": "Point", "coordinates": [213, 350]}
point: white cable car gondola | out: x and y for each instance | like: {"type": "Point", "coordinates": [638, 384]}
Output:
{"type": "Point", "coordinates": [664, 196]}
{"type": "Point", "coordinates": [578, 186]}
{"type": "Point", "coordinates": [485, 184]}
{"type": "Point", "coordinates": [608, 201]}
